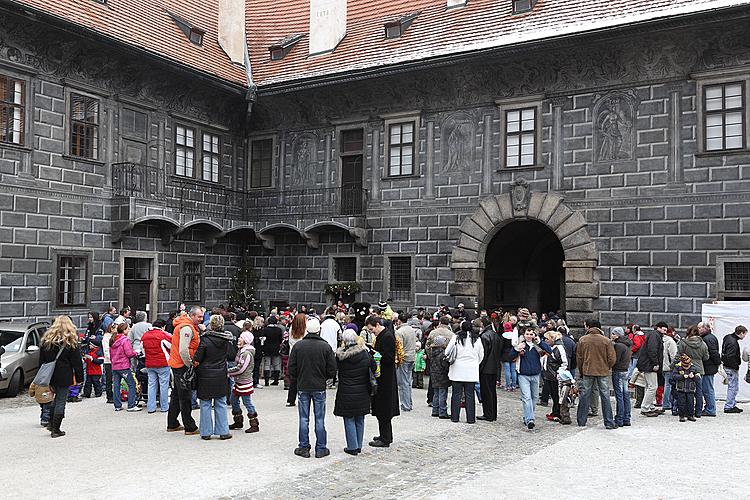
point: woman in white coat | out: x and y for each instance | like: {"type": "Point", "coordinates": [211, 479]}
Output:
{"type": "Point", "coordinates": [464, 371]}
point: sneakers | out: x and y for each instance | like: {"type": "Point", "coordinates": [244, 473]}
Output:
{"type": "Point", "coordinates": [682, 419]}
{"type": "Point", "coordinates": [302, 452]}
{"type": "Point", "coordinates": [734, 409]}
{"type": "Point", "coordinates": [530, 425]}
{"type": "Point", "coordinates": [135, 408]}
{"type": "Point", "coordinates": [120, 409]}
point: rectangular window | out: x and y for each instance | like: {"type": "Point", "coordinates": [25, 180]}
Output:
{"type": "Point", "coordinates": [352, 161]}
{"type": "Point", "coordinates": [520, 137]}
{"type": "Point", "coordinates": [192, 289]}
{"type": "Point", "coordinates": [737, 276]}
{"type": "Point", "coordinates": [345, 269]}
{"type": "Point", "coordinates": [401, 145]}
{"type": "Point", "coordinates": [400, 279]}
{"type": "Point", "coordinates": [84, 126]}
{"type": "Point", "coordinates": [724, 109]}
{"type": "Point", "coordinates": [71, 280]}
{"type": "Point", "coordinates": [12, 110]}
{"type": "Point", "coordinates": [211, 157]}
{"type": "Point", "coordinates": [261, 163]}
{"type": "Point", "coordinates": [184, 151]}
{"type": "Point", "coordinates": [134, 124]}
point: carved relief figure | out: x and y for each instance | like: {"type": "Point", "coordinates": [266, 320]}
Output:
{"type": "Point", "coordinates": [304, 160]}
{"type": "Point", "coordinates": [614, 132]}
{"type": "Point", "coordinates": [458, 144]}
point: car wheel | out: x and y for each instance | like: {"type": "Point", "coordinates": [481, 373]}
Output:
{"type": "Point", "coordinates": [14, 385]}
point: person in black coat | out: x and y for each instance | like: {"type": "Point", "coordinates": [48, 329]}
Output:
{"type": "Point", "coordinates": [274, 336]}
{"type": "Point", "coordinates": [211, 376]}
{"type": "Point", "coordinates": [385, 404]}
{"type": "Point", "coordinates": [353, 393]}
{"type": "Point", "coordinates": [488, 368]}
{"type": "Point", "coordinates": [711, 368]}
{"type": "Point", "coordinates": [650, 359]}
{"type": "Point", "coordinates": [731, 357]}
{"type": "Point", "coordinates": [60, 342]}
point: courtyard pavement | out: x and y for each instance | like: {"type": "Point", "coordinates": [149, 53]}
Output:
{"type": "Point", "coordinates": [129, 455]}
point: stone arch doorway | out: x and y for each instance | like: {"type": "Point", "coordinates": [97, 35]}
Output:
{"type": "Point", "coordinates": [524, 267]}
{"type": "Point", "coordinates": [477, 232]}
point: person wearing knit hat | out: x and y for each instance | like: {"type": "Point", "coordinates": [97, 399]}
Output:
{"type": "Point", "coordinates": [623, 353]}
{"type": "Point", "coordinates": [242, 374]}
{"type": "Point", "coordinates": [686, 378]}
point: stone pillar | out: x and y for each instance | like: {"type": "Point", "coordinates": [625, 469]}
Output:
{"type": "Point", "coordinates": [429, 181]}
{"type": "Point", "coordinates": [675, 180]}
{"type": "Point", "coordinates": [557, 143]}
{"type": "Point", "coordinates": [581, 289]}
{"type": "Point", "coordinates": [375, 165]}
{"type": "Point", "coordinates": [487, 162]}
{"type": "Point", "coordinates": [465, 287]}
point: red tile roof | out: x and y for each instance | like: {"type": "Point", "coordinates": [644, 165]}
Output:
{"type": "Point", "coordinates": [146, 24]}
{"type": "Point", "coordinates": [481, 24]}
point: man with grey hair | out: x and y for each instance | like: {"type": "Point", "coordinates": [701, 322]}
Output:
{"type": "Point", "coordinates": [135, 334]}
{"type": "Point", "coordinates": [185, 341]}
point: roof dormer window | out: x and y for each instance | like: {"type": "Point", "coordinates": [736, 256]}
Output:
{"type": "Point", "coordinates": [396, 27]}
{"type": "Point", "coordinates": [280, 49]}
{"type": "Point", "coordinates": [192, 32]}
{"type": "Point", "coordinates": [523, 6]}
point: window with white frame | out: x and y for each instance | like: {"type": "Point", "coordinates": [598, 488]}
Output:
{"type": "Point", "coordinates": [184, 150]}
{"type": "Point", "coordinates": [72, 273]}
{"type": "Point", "coordinates": [211, 157]}
{"type": "Point", "coordinates": [401, 149]}
{"type": "Point", "coordinates": [12, 110]}
{"type": "Point", "coordinates": [520, 137]}
{"type": "Point", "coordinates": [724, 116]}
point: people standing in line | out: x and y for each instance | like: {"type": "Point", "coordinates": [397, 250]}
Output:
{"type": "Point", "coordinates": [385, 404]}
{"type": "Point", "coordinates": [273, 335]}
{"type": "Point", "coordinates": [623, 353]}
{"type": "Point", "coordinates": [530, 348]}
{"type": "Point", "coordinates": [312, 363]}
{"type": "Point", "coordinates": [464, 371]}
{"type": "Point", "coordinates": [121, 353]}
{"type": "Point", "coordinates": [60, 342]}
{"type": "Point", "coordinates": [731, 357]}
{"type": "Point", "coordinates": [694, 346]}
{"type": "Point", "coordinates": [242, 375]}
{"type": "Point", "coordinates": [212, 383]}
{"type": "Point", "coordinates": [596, 357]}
{"type": "Point", "coordinates": [330, 331]}
{"type": "Point", "coordinates": [492, 345]}
{"type": "Point", "coordinates": [650, 357]}
{"type": "Point", "coordinates": [405, 371]}
{"type": "Point", "coordinates": [185, 341]}
{"type": "Point", "coordinates": [156, 343]}
{"type": "Point", "coordinates": [354, 365]}
{"type": "Point", "coordinates": [439, 380]}
{"type": "Point", "coordinates": [296, 332]}
{"type": "Point", "coordinates": [669, 355]}
{"type": "Point", "coordinates": [555, 362]}
{"type": "Point", "coordinates": [509, 357]}
{"type": "Point", "coordinates": [711, 368]}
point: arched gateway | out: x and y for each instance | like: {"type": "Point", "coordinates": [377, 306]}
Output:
{"type": "Point", "coordinates": [541, 243]}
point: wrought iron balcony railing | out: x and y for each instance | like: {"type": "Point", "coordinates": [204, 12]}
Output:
{"type": "Point", "coordinates": [130, 180]}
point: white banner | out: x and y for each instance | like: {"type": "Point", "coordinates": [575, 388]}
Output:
{"type": "Point", "coordinates": [725, 316]}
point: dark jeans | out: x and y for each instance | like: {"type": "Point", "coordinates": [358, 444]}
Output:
{"type": "Point", "coordinates": [108, 381]}
{"type": "Point", "coordinates": [698, 404]}
{"type": "Point", "coordinates": [686, 403]}
{"type": "Point", "coordinates": [430, 390]}
{"type": "Point", "coordinates": [291, 396]}
{"type": "Point", "coordinates": [554, 391]}
{"type": "Point", "coordinates": [180, 403]}
{"type": "Point", "coordinates": [386, 429]}
{"type": "Point", "coordinates": [117, 376]}
{"type": "Point", "coordinates": [465, 389]}
{"type": "Point", "coordinates": [57, 405]}
{"type": "Point", "coordinates": [587, 389]}
{"type": "Point", "coordinates": [256, 369]}
{"type": "Point", "coordinates": [488, 392]}
{"type": "Point", "coordinates": [96, 381]}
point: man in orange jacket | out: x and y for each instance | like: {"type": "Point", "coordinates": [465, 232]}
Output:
{"type": "Point", "coordinates": [185, 340]}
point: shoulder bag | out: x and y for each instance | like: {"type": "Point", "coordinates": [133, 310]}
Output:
{"type": "Point", "coordinates": [44, 375]}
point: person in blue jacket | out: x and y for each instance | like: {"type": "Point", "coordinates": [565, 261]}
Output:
{"type": "Point", "coordinates": [530, 349]}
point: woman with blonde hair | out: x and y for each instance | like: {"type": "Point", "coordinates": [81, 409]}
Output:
{"type": "Point", "coordinates": [297, 331]}
{"type": "Point", "coordinates": [60, 342]}
{"type": "Point", "coordinates": [553, 363]}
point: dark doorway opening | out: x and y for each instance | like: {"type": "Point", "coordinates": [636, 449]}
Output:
{"type": "Point", "coordinates": [137, 292]}
{"type": "Point", "coordinates": [523, 267]}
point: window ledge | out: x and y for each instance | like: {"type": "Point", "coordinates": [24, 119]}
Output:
{"type": "Point", "coordinates": [193, 180]}
{"type": "Point", "coordinates": [397, 177]}
{"type": "Point", "coordinates": [14, 146]}
{"type": "Point", "coordinates": [520, 169]}
{"type": "Point", "coordinates": [83, 159]}
{"type": "Point", "coordinates": [723, 152]}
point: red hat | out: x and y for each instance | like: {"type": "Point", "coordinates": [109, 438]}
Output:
{"type": "Point", "coordinates": [507, 327]}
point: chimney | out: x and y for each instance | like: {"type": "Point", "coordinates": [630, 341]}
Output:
{"type": "Point", "coordinates": [232, 29]}
{"type": "Point", "coordinates": [327, 25]}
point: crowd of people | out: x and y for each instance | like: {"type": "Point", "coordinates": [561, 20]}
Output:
{"type": "Point", "coordinates": [374, 357]}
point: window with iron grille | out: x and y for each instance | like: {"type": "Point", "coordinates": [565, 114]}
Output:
{"type": "Point", "coordinates": [71, 280]}
{"type": "Point", "coordinates": [520, 137]}
{"type": "Point", "coordinates": [12, 110]}
{"type": "Point", "coordinates": [84, 126]}
{"type": "Point", "coordinates": [401, 145]}
{"type": "Point", "coordinates": [345, 269]}
{"type": "Point", "coordinates": [192, 281]}
{"type": "Point", "coordinates": [184, 150]}
{"type": "Point", "coordinates": [211, 157]}
{"type": "Point", "coordinates": [400, 278]}
{"type": "Point", "coordinates": [724, 112]}
{"type": "Point", "coordinates": [261, 163]}
{"type": "Point", "coordinates": [737, 276]}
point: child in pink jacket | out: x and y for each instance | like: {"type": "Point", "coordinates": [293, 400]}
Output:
{"type": "Point", "coordinates": [120, 353]}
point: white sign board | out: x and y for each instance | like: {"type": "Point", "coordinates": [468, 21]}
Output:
{"type": "Point", "coordinates": [725, 316]}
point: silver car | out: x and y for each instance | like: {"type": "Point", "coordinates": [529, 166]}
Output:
{"type": "Point", "coordinates": [20, 362]}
